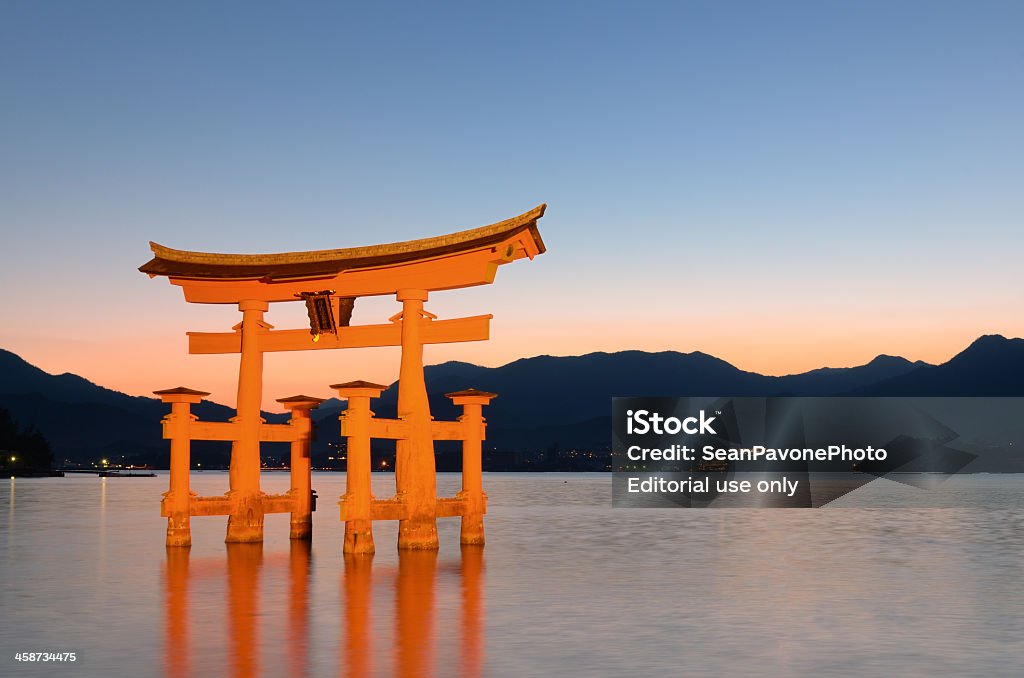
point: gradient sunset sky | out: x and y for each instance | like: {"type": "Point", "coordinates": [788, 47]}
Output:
{"type": "Point", "coordinates": [784, 185]}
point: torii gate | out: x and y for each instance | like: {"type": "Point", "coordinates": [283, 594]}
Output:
{"type": "Point", "coordinates": [329, 281]}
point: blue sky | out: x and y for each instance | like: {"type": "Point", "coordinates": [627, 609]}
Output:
{"type": "Point", "coordinates": [783, 185]}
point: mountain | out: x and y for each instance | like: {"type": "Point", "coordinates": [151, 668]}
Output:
{"type": "Point", "coordinates": [991, 366]}
{"type": "Point", "coordinates": [554, 391]}
{"type": "Point", "coordinates": [831, 380]}
{"type": "Point", "coordinates": [83, 421]}
{"type": "Point", "coordinates": [543, 401]}
{"type": "Point", "coordinates": [19, 376]}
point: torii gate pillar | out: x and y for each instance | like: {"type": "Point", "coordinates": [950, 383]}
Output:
{"type": "Point", "coordinates": [414, 459]}
{"type": "Point", "coordinates": [301, 481]}
{"type": "Point", "coordinates": [472, 402]}
{"type": "Point", "coordinates": [245, 524]}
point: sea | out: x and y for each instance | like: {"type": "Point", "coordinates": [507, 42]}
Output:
{"type": "Point", "coordinates": [874, 584]}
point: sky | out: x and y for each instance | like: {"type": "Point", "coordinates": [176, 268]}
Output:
{"type": "Point", "coordinates": [783, 185]}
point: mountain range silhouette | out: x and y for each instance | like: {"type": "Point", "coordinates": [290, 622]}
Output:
{"type": "Point", "coordinates": [543, 401]}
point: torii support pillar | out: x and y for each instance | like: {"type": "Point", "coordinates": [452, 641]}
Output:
{"type": "Point", "coordinates": [245, 523]}
{"type": "Point", "coordinates": [415, 477]}
{"type": "Point", "coordinates": [355, 425]}
{"type": "Point", "coordinates": [178, 499]}
{"type": "Point", "coordinates": [301, 490]}
{"type": "Point", "coordinates": [472, 402]}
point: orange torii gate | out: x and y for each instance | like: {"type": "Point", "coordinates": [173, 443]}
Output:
{"type": "Point", "coordinates": [329, 281]}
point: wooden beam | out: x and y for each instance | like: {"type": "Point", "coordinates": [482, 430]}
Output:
{"type": "Point", "coordinates": [209, 506]}
{"type": "Point", "coordinates": [389, 429]}
{"type": "Point", "coordinates": [449, 507]}
{"type": "Point", "coordinates": [447, 430]}
{"type": "Point", "coordinates": [278, 433]}
{"type": "Point", "coordinates": [207, 430]}
{"type": "Point", "coordinates": [228, 430]}
{"type": "Point", "coordinates": [397, 429]}
{"type": "Point", "coordinates": [221, 505]}
{"type": "Point", "coordinates": [393, 509]}
{"type": "Point", "coordinates": [473, 328]}
{"type": "Point", "coordinates": [279, 503]}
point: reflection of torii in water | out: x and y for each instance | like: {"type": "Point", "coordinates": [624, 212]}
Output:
{"type": "Point", "coordinates": [329, 281]}
{"type": "Point", "coordinates": [415, 582]}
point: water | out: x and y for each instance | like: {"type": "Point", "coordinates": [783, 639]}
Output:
{"type": "Point", "coordinates": [565, 586]}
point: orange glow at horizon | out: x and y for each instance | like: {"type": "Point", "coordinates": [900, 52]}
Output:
{"type": "Point", "coordinates": [138, 367]}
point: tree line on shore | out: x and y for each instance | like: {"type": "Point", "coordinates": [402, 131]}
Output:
{"type": "Point", "coordinates": [22, 447]}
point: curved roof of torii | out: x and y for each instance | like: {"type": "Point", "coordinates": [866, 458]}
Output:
{"type": "Point", "coordinates": [321, 263]}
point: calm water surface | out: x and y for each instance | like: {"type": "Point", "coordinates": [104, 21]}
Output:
{"type": "Point", "coordinates": [565, 586]}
